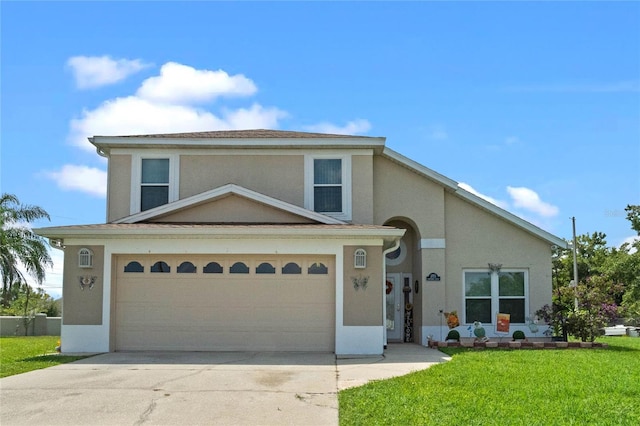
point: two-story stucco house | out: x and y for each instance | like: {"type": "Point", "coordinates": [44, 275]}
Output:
{"type": "Point", "coordinates": [288, 241]}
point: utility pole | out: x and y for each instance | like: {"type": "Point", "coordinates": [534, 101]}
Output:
{"type": "Point", "coordinates": [575, 263]}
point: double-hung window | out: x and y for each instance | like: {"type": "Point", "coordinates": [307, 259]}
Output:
{"type": "Point", "coordinates": [488, 293]}
{"type": "Point", "coordinates": [155, 181]}
{"type": "Point", "coordinates": [328, 185]}
{"type": "Point", "coordinates": [154, 188]}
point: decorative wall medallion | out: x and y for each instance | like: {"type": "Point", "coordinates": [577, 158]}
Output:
{"type": "Point", "coordinates": [360, 282]}
{"type": "Point", "coordinates": [87, 281]}
{"type": "Point", "coordinates": [495, 267]}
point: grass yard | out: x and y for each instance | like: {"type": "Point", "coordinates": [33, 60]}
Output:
{"type": "Point", "coordinates": [508, 387]}
{"type": "Point", "coordinates": [22, 354]}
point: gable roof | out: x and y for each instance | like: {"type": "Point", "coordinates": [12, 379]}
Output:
{"type": "Point", "coordinates": [260, 138]}
{"type": "Point", "coordinates": [225, 191]}
{"type": "Point", "coordinates": [244, 134]}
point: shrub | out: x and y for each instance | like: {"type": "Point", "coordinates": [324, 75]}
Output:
{"type": "Point", "coordinates": [518, 335]}
{"type": "Point", "coordinates": [453, 335]}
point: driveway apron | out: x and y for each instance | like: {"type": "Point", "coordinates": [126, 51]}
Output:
{"type": "Point", "coordinates": [194, 388]}
{"type": "Point", "coordinates": [199, 388]}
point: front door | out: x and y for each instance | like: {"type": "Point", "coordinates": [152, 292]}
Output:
{"type": "Point", "coordinates": [395, 307]}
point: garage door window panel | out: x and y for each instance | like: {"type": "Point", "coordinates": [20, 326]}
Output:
{"type": "Point", "coordinates": [239, 268]}
{"type": "Point", "coordinates": [187, 268]}
{"type": "Point", "coordinates": [134, 266]}
{"type": "Point", "coordinates": [291, 268]}
{"type": "Point", "coordinates": [213, 268]}
{"type": "Point", "coordinates": [318, 269]}
{"type": "Point", "coordinates": [265, 268]}
{"type": "Point", "coordinates": [160, 267]}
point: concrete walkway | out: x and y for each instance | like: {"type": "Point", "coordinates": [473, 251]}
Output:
{"type": "Point", "coordinates": [198, 388]}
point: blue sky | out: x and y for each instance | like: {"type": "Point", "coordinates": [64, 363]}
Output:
{"type": "Point", "coordinates": [535, 106]}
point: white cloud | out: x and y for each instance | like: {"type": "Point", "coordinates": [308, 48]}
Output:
{"type": "Point", "coordinates": [85, 179]}
{"type": "Point", "coordinates": [256, 117]}
{"type": "Point", "coordinates": [96, 71]}
{"type": "Point", "coordinates": [529, 200]}
{"type": "Point", "coordinates": [182, 84]}
{"type": "Point", "coordinates": [469, 188]}
{"type": "Point", "coordinates": [354, 127]}
{"type": "Point", "coordinates": [132, 115]}
{"type": "Point", "coordinates": [161, 105]}
{"type": "Point", "coordinates": [630, 241]}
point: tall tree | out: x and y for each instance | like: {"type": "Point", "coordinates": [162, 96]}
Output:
{"type": "Point", "coordinates": [633, 215]}
{"type": "Point", "coordinates": [19, 244]}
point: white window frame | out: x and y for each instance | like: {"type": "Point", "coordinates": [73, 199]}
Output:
{"type": "Point", "coordinates": [495, 294]}
{"type": "Point", "coordinates": [360, 259]}
{"type": "Point", "coordinates": [345, 214]}
{"type": "Point", "coordinates": [136, 177]}
{"type": "Point", "coordinates": [85, 258]}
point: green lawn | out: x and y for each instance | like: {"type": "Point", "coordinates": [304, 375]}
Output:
{"type": "Point", "coordinates": [22, 354]}
{"type": "Point", "coordinates": [508, 387]}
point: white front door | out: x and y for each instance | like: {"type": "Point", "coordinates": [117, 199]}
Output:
{"type": "Point", "coordinates": [395, 307]}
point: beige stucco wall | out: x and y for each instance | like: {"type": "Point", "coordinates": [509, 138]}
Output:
{"type": "Point", "coordinates": [362, 189]}
{"type": "Point", "coordinates": [280, 177]}
{"type": "Point", "coordinates": [232, 209]}
{"type": "Point", "coordinates": [82, 307]}
{"type": "Point", "coordinates": [363, 307]}
{"type": "Point", "coordinates": [401, 193]}
{"type": "Point", "coordinates": [119, 187]}
{"type": "Point", "coordinates": [475, 238]}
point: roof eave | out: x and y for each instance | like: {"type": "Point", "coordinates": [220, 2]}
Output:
{"type": "Point", "coordinates": [419, 168]}
{"type": "Point", "coordinates": [224, 232]}
{"type": "Point", "coordinates": [105, 143]}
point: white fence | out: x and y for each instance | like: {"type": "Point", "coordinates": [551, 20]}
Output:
{"type": "Point", "coordinates": [40, 325]}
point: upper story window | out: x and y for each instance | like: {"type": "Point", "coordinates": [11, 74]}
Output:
{"type": "Point", "coordinates": [155, 181]}
{"type": "Point", "coordinates": [328, 185]}
{"type": "Point", "coordinates": [154, 190]}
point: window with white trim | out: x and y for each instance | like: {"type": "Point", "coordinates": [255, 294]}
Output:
{"type": "Point", "coordinates": [154, 185]}
{"type": "Point", "coordinates": [85, 258]}
{"type": "Point", "coordinates": [155, 180]}
{"type": "Point", "coordinates": [360, 259]}
{"type": "Point", "coordinates": [487, 293]}
{"type": "Point", "coordinates": [328, 185]}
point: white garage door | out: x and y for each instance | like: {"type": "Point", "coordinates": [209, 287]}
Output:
{"type": "Point", "coordinates": [225, 303]}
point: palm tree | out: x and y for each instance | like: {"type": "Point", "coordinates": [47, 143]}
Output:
{"type": "Point", "coordinates": [19, 244]}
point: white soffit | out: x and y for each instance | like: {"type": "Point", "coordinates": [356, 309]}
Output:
{"type": "Point", "coordinates": [223, 191]}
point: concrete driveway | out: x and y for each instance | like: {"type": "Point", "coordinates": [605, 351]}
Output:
{"type": "Point", "coordinates": [198, 388]}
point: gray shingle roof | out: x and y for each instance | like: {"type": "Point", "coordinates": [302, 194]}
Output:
{"type": "Point", "coordinates": [244, 134]}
